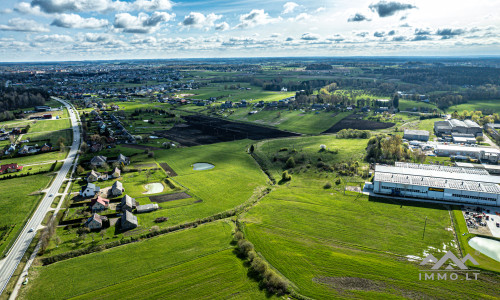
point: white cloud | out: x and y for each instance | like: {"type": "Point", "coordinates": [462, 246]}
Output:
{"type": "Point", "coordinates": [143, 23]}
{"type": "Point", "coordinates": [222, 26]}
{"type": "Point", "coordinates": [96, 37]}
{"type": "Point", "coordinates": [19, 24]}
{"type": "Point", "coordinates": [310, 37]}
{"type": "Point", "coordinates": [254, 18]}
{"type": "Point", "coordinates": [199, 20]}
{"type": "Point", "coordinates": [6, 11]}
{"type": "Point", "coordinates": [152, 5]}
{"type": "Point", "coordinates": [319, 9]}
{"type": "Point", "coordinates": [53, 38]}
{"type": "Point", "coordinates": [300, 17]}
{"type": "Point", "coordinates": [289, 7]}
{"type": "Point", "coordinates": [27, 9]}
{"type": "Point", "coordinates": [76, 21]}
{"type": "Point", "coordinates": [65, 6]}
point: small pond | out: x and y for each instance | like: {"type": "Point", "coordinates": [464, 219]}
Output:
{"type": "Point", "coordinates": [488, 247]}
{"type": "Point", "coordinates": [202, 166]}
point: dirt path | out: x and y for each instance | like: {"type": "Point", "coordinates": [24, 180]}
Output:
{"type": "Point", "coordinates": [168, 169]}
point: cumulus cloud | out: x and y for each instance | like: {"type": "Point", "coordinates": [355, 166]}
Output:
{"type": "Point", "coordinates": [254, 18]}
{"type": "Point", "coordinates": [392, 32]}
{"type": "Point", "coordinates": [358, 18]}
{"type": "Point", "coordinates": [335, 38]}
{"type": "Point", "coordinates": [96, 37]}
{"type": "Point", "coordinates": [450, 32]}
{"type": "Point", "coordinates": [199, 20]}
{"type": "Point", "coordinates": [421, 38]}
{"type": "Point", "coordinates": [399, 39]}
{"type": "Point", "coordinates": [419, 31]}
{"type": "Point", "coordinates": [76, 21]}
{"type": "Point", "coordinates": [19, 24]}
{"type": "Point", "coordinates": [53, 38]}
{"type": "Point", "coordinates": [27, 9]}
{"type": "Point", "coordinates": [222, 26]}
{"type": "Point", "coordinates": [65, 6]}
{"type": "Point", "coordinates": [379, 34]}
{"type": "Point", "coordinates": [142, 23]}
{"type": "Point", "coordinates": [6, 11]}
{"type": "Point", "coordinates": [152, 5]}
{"type": "Point", "coordinates": [387, 9]}
{"type": "Point", "coordinates": [310, 37]}
{"type": "Point", "coordinates": [301, 17]}
{"type": "Point", "coordinates": [289, 7]}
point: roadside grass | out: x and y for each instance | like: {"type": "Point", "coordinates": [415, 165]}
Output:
{"type": "Point", "coordinates": [155, 263]}
{"type": "Point", "coordinates": [50, 137]}
{"type": "Point", "coordinates": [38, 158]}
{"type": "Point", "coordinates": [34, 169]}
{"type": "Point", "coordinates": [18, 201]}
{"type": "Point", "coordinates": [315, 236]}
{"type": "Point", "coordinates": [487, 106]}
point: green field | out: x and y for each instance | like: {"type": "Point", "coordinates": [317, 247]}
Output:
{"type": "Point", "coordinates": [317, 238]}
{"type": "Point", "coordinates": [38, 158]}
{"type": "Point", "coordinates": [197, 261]}
{"type": "Point", "coordinates": [17, 202]}
{"type": "Point", "coordinates": [487, 106]}
{"type": "Point", "coordinates": [49, 125]}
{"type": "Point", "coordinates": [408, 105]}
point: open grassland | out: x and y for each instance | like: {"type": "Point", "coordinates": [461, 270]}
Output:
{"type": "Point", "coordinates": [50, 137]}
{"type": "Point", "coordinates": [49, 125]}
{"type": "Point", "coordinates": [408, 105]}
{"type": "Point", "coordinates": [307, 149]}
{"type": "Point", "coordinates": [192, 262]}
{"type": "Point", "coordinates": [219, 90]}
{"type": "Point", "coordinates": [331, 245]}
{"type": "Point", "coordinates": [38, 158]}
{"type": "Point", "coordinates": [17, 202]}
{"type": "Point", "coordinates": [309, 122]}
{"type": "Point", "coordinates": [487, 106]}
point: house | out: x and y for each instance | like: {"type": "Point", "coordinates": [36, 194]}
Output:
{"type": "Point", "coordinates": [99, 204]}
{"type": "Point", "coordinates": [10, 168]}
{"type": "Point", "coordinates": [116, 173]}
{"type": "Point", "coordinates": [46, 147]}
{"type": "Point", "coordinates": [128, 221]}
{"type": "Point", "coordinates": [147, 208]}
{"type": "Point", "coordinates": [90, 190]}
{"type": "Point", "coordinates": [93, 176]}
{"type": "Point", "coordinates": [122, 159]}
{"type": "Point", "coordinates": [117, 189]}
{"type": "Point", "coordinates": [98, 161]}
{"type": "Point", "coordinates": [96, 148]}
{"type": "Point", "coordinates": [95, 222]}
{"type": "Point", "coordinates": [27, 150]}
{"type": "Point", "coordinates": [128, 203]}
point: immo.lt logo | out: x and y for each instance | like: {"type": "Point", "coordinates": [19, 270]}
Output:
{"type": "Point", "coordinates": [453, 270]}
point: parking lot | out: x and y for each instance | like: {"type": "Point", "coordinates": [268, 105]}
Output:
{"type": "Point", "coordinates": [482, 220]}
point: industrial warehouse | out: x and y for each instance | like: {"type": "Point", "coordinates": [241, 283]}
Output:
{"type": "Point", "coordinates": [442, 183]}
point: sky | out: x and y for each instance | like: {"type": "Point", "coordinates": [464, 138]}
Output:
{"type": "Point", "coordinates": [63, 30]}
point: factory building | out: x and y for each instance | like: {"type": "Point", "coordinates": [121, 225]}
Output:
{"type": "Point", "coordinates": [416, 135]}
{"type": "Point", "coordinates": [439, 183]}
{"type": "Point", "coordinates": [456, 126]}
{"type": "Point", "coordinates": [484, 154]}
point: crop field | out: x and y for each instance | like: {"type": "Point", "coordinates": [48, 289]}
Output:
{"type": "Point", "coordinates": [331, 245]}
{"type": "Point", "coordinates": [158, 262]}
{"type": "Point", "coordinates": [17, 201]}
{"type": "Point", "coordinates": [486, 106]}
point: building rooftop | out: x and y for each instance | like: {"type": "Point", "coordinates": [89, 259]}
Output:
{"type": "Point", "coordinates": [416, 132]}
{"type": "Point", "coordinates": [438, 178]}
{"type": "Point", "coordinates": [466, 148]}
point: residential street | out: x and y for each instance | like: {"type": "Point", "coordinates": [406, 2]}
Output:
{"type": "Point", "coordinates": [9, 264]}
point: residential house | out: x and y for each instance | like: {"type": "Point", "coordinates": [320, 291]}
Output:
{"type": "Point", "coordinates": [98, 161]}
{"type": "Point", "coordinates": [93, 176]}
{"type": "Point", "coordinates": [122, 159]}
{"type": "Point", "coordinates": [128, 221]}
{"type": "Point", "coordinates": [46, 147]}
{"type": "Point", "coordinates": [27, 150]}
{"type": "Point", "coordinates": [116, 173]}
{"type": "Point", "coordinates": [99, 204]}
{"type": "Point", "coordinates": [96, 148]}
{"type": "Point", "coordinates": [117, 189]}
{"type": "Point", "coordinates": [95, 222]}
{"type": "Point", "coordinates": [10, 168]}
{"type": "Point", "coordinates": [128, 203]}
{"type": "Point", "coordinates": [90, 190]}
{"type": "Point", "coordinates": [147, 208]}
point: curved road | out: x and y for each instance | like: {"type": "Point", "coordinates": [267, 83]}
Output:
{"type": "Point", "coordinates": [18, 249]}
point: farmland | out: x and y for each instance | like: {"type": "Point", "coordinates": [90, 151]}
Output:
{"type": "Point", "coordinates": [165, 264]}
{"type": "Point", "coordinates": [487, 106]}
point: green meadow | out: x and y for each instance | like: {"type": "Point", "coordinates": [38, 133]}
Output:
{"type": "Point", "coordinates": [486, 106]}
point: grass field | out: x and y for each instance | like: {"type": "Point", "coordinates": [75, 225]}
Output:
{"type": "Point", "coordinates": [17, 202]}
{"type": "Point", "coordinates": [317, 238]}
{"type": "Point", "coordinates": [487, 106]}
{"type": "Point", "coordinates": [50, 137]}
{"type": "Point", "coordinates": [310, 122]}
{"type": "Point", "coordinates": [49, 125]}
{"type": "Point", "coordinates": [33, 159]}
{"type": "Point", "coordinates": [408, 105]}
{"type": "Point", "coordinates": [197, 261]}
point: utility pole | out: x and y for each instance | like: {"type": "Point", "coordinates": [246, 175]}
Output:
{"type": "Point", "coordinates": [425, 224]}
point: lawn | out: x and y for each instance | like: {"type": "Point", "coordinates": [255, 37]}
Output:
{"type": "Point", "coordinates": [49, 125]}
{"type": "Point", "coordinates": [17, 202]}
{"type": "Point", "coordinates": [487, 106]}
{"type": "Point", "coordinates": [331, 245]}
{"type": "Point", "coordinates": [191, 262]}
{"type": "Point", "coordinates": [50, 137]}
{"type": "Point", "coordinates": [408, 105]}
{"type": "Point", "coordinates": [38, 158]}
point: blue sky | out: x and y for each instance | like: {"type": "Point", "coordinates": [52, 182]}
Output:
{"type": "Point", "coordinates": [47, 30]}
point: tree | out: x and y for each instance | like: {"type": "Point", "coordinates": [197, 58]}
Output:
{"type": "Point", "coordinates": [395, 101]}
{"type": "Point", "coordinates": [285, 176]}
{"type": "Point", "coordinates": [480, 139]}
{"type": "Point", "coordinates": [290, 163]}
{"type": "Point", "coordinates": [80, 170]}
{"type": "Point", "coordinates": [252, 148]}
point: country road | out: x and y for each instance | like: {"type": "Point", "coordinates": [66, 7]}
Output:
{"type": "Point", "coordinates": [9, 264]}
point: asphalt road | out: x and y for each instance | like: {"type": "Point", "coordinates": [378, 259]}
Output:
{"type": "Point", "coordinates": [9, 264]}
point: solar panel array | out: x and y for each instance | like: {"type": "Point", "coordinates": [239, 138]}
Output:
{"type": "Point", "coordinates": [448, 169]}
{"type": "Point", "coordinates": [462, 185]}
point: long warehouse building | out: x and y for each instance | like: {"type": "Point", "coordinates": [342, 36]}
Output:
{"type": "Point", "coordinates": [442, 183]}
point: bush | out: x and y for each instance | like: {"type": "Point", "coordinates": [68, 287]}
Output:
{"type": "Point", "coordinates": [327, 185]}
{"type": "Point", "coordinates": [290, 163]}
{"type": "Point", "coordinates": [244, 247]}
{"type": "Point", "coordinates": [285, 176]}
